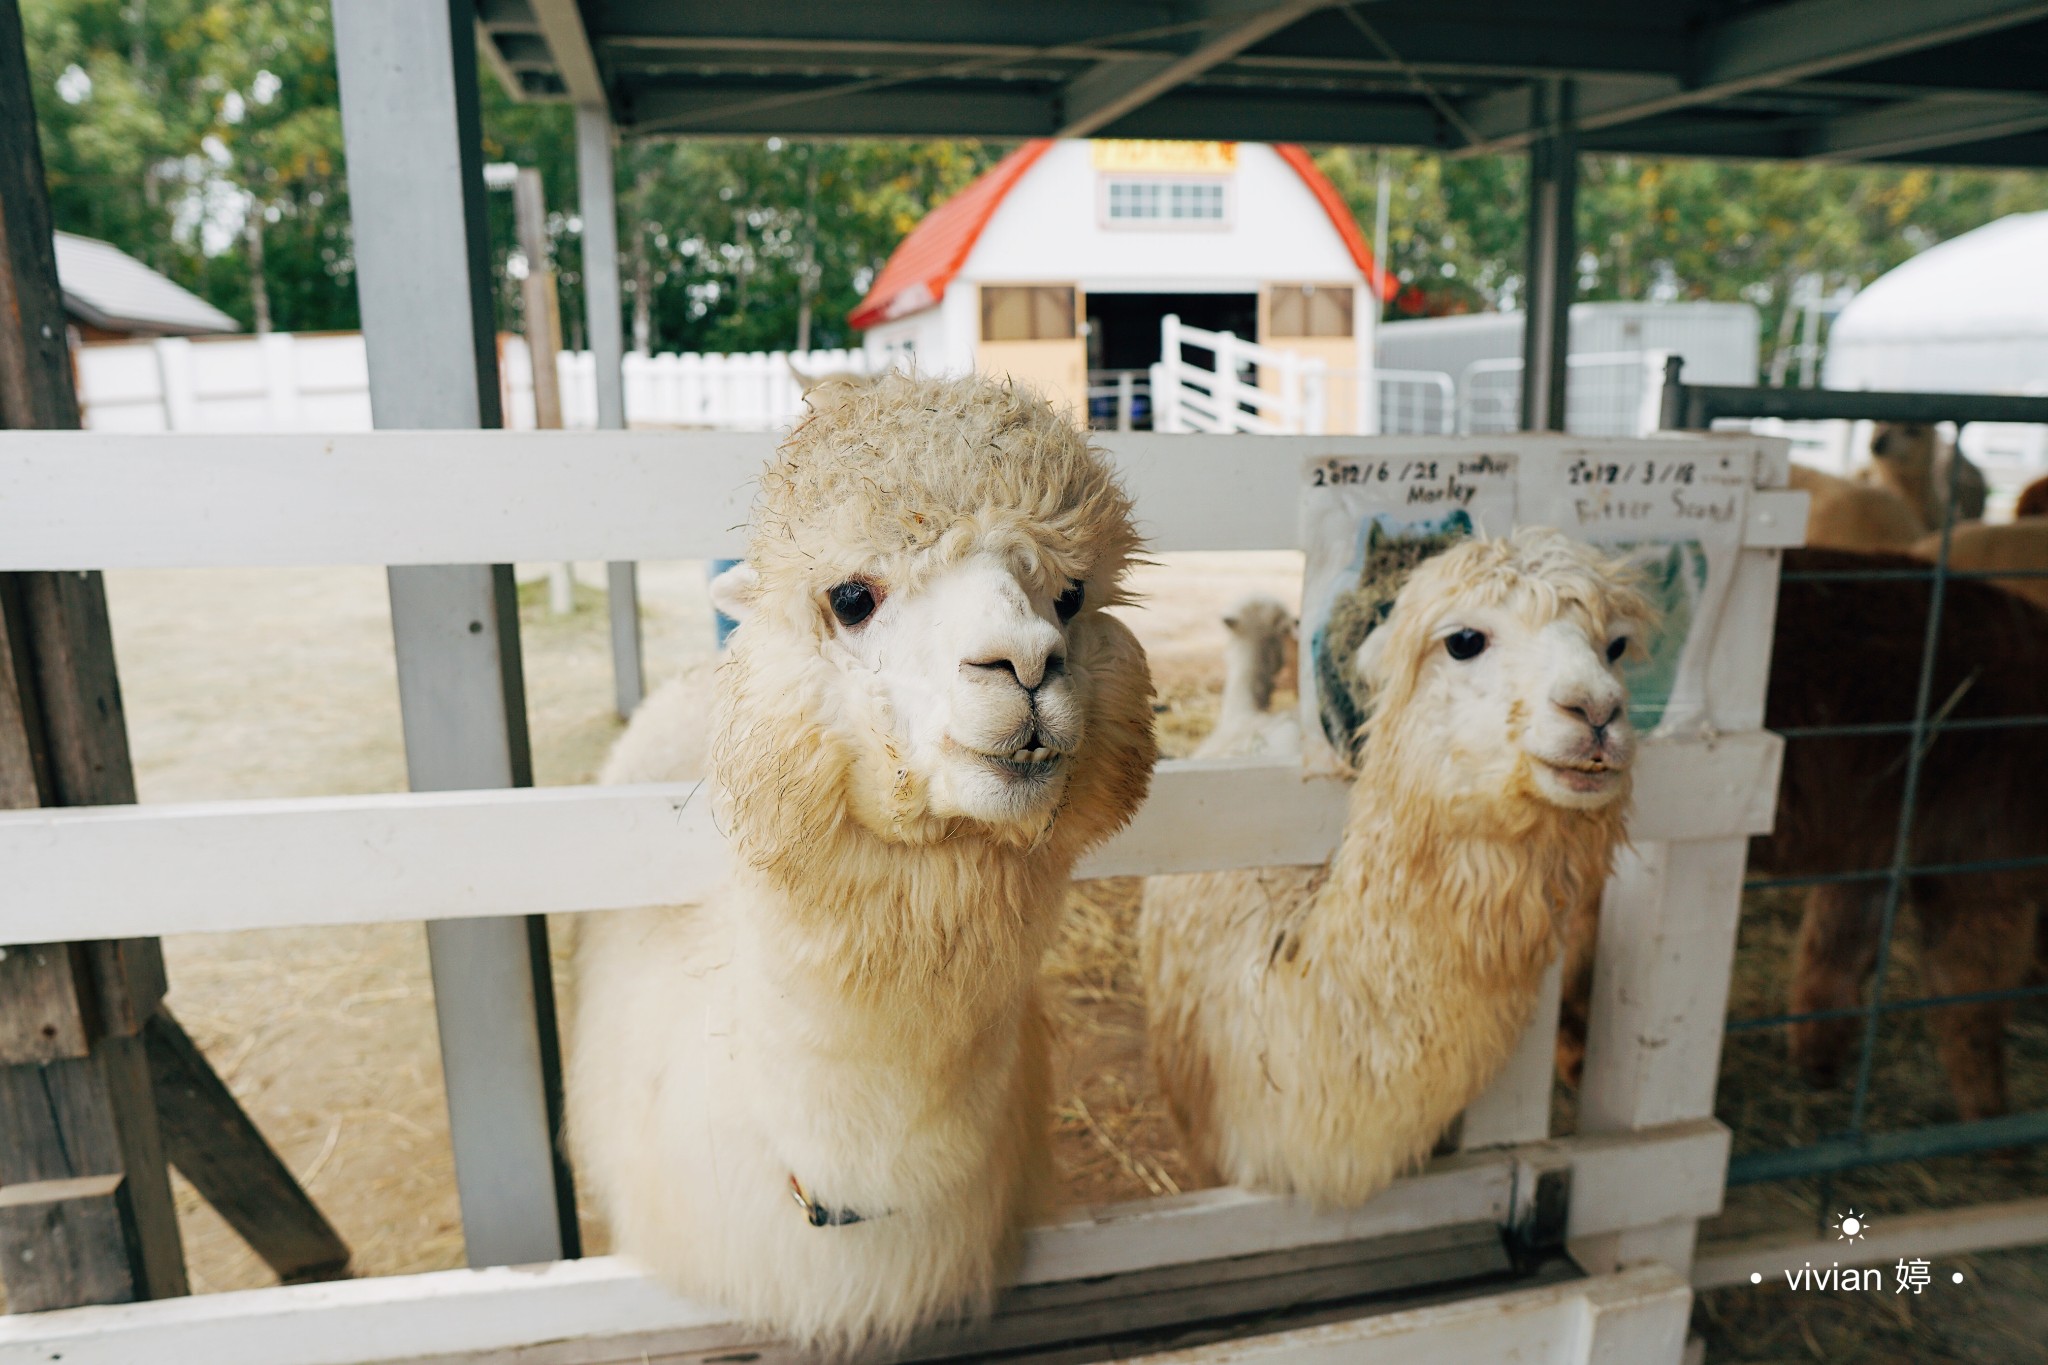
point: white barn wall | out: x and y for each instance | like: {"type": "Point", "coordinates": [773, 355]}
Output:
{"type": "Point", "coordinates": [1049, 228]}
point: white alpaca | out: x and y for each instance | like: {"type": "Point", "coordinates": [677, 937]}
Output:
{"type": "Point", "coordinates": [1316, 1029]}
{"type": "Point", "coordinates": [1262, 634]}
{"type": "Point", "coordinates": [820, 1096]}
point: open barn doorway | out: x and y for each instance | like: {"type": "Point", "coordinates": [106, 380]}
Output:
{"type": "Point", "coordinates": [1123, 345]}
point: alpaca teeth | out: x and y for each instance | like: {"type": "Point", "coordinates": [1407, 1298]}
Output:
{"type": "Point", "coordinates": [1040, 755]}
{"type": "Point", "coordinates": [1021, 756]}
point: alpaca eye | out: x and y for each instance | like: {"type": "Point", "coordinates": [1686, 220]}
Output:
{"type": "Point", "coordinates": [1069, 602]}
{"type": "Point", "coordinates": [852, 602]}
{"type": "Point", "coordinates": [1464, 644]}
{"type": "Point", "coordinates": [1616, 648]}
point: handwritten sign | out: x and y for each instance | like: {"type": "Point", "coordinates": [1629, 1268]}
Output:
{"type": "Point", "coordinates": [1365, 523]}
{"type": "Point", "coordinates": [1682, 495]}
{"type": "Point", "coordinates": [1675, 510]}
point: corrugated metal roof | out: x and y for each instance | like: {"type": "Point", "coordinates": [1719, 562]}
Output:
{"type": "Point", "coordinates": [106, 287]}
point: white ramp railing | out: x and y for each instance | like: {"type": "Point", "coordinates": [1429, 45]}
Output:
{"type": "Point", "coordinates": [1227, 395]}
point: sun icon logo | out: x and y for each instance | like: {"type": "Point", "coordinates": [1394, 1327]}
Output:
{"type": "Point", "coordinates": [1851, 1227]}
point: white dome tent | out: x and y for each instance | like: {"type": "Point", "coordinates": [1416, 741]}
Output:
{"type": "Point", "coordinates": [1967, 316]}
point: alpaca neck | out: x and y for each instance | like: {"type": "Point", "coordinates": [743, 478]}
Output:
{"type": "Point", "coordinates": [939, 940]}
{"type": "Point", "coordinates": [1493, 877]}
{"type": "Point", "coordinates": [1247, 685]}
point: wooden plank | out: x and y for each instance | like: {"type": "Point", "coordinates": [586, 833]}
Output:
{"type": "Point", "coordinates": [1516, 1107]}
{"type": "Point", "coordinates": [219, 1149]}
{"type": "Point", "coordinates": [24, 767]}
{"type": "Point", "coordinates": [209, 867]}
{"type": "Point", "coordinates": [94, 1116]}
{"type": "Point", "coordinates": [165, 500]}
{"type": "Point", "coordinates": [495, 1316]}
{"type": "Point", "coordinates": [1635, 1318]}
{"type": "Point", "coordinates": [53, 1235]}
{"type": "Point", "coordinates": [66, 1116]}
{"type": "Point", "coordinates": [48, 992]}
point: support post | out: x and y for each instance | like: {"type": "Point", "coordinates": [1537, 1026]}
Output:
{"type": "Point", "coordinates": [1551, 274]}
{"type": "Point", "coordinates": [410, 123]}
{"type": "Point", "coordinates": [215, 1146]}
{"type": "Point", "coordinates": [85, 1198]}
{"type": "Point", "coordinates": [608, 357]}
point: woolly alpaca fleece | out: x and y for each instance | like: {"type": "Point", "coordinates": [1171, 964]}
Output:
{"type": "Point", "coordinates": [856, 1005]}
{"type": "Point", "coordinates": [1316, 1029]}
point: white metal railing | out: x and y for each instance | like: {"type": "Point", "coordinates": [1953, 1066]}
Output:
{"type": "Point", "coordinates": [1119, 400]}
{"type": "Point", "coordinates": [1607, 393]}
{"type": "Point", "coordinates": [1228, 395]}
{"type": "Point", "coordinates": [1647, 1162]}
{"type": "Point", "coordinates": [1416, 402]}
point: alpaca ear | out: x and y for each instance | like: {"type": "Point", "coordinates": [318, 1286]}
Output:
{"type": "Point", "coordinates": [732, 592]}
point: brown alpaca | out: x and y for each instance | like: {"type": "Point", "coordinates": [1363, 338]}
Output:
{"type": "Point", "coordinates": [1912, 460]}
{"type": "Point", "coordinates": [1847, 515]}
{"type": "Point", "coordinates": [2033, 500]}
{"type": "Point", "coordinates": [1848, 653]}
{"type": "Point", "coordinates": [1979, 547]}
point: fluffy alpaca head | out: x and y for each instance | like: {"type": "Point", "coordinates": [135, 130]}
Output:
{"type": "Point", "coordinates": [1495, 676]}
{"type": "Point", "coordinates": [923, 649]}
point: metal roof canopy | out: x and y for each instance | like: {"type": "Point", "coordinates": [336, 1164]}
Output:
{"type": "Point", "coordinates": [1953, 81]}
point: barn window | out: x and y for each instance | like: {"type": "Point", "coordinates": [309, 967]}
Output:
{"type": "Point", "coordinates": [1151, 201]}
{"type": "Point", "coordinates": [1027, 312]}
{"type": "Point", "coordinates": [1310, 310]}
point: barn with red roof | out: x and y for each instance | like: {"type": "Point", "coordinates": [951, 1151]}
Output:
{"type": "Point", "coordinates": [1058, 265]}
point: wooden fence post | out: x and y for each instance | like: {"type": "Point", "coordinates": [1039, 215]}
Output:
{"type": "Point", "coordinates": [87, 1216]}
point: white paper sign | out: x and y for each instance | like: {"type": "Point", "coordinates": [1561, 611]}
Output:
{"type": "Point", "coordinates": [1676, 511]}
{"type": "Point", "coordinates": [1365, 523]}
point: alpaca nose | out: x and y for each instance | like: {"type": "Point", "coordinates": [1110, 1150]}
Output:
{"type": "Point", "coordinates": [1597, 712]}
{"type": "Point", "coordinates": [1029, 656]}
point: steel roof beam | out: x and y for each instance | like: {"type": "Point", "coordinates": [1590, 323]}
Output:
{"type": "Point", "coordinates": [1924, 125]}
{"type": "Point", "coordinates": [1109, 90]}
{"type": "Point", "coordinates": [984, 110]}
{"type": "Point", "coordinates": [1765, 48]}
{"type": "Point", "coordinates": [561, 24]}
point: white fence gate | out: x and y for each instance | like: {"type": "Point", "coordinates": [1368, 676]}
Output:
{"type": "Point", "coordinates": [1646, 1163]}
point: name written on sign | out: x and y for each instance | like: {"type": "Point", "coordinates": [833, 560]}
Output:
{"type": "Point", "coordinates": [1449, 482]}
{"type": "Point", "coordinates": [1635, 491]}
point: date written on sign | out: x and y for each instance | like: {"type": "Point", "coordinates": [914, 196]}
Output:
{"type": "Point", "coordinates": [1631, 473]}
{"type": "Point", "coordinates": [1443, 481]}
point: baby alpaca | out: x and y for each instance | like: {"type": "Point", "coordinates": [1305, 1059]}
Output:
{"type": "Point", "coordinates": [1316, 1029]}
{"type": "Point", "coordinates": [818, 1097]}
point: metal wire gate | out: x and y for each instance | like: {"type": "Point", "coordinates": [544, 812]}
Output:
{"type": "Point", "coordinates": [1697, 407]}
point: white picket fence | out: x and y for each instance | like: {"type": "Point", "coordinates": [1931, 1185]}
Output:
{"type": "Point", "coordinates": [320, 381]}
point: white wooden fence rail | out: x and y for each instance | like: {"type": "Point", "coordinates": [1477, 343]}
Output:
{"type": "Point", "coordinates": [463, 1316]}
{"type": "Point", "coordinates": [1647, 1165]}
{"type": "Point", "coordinates": [85, 500]}
{"type": "Point", "coordinates": [207, 867]}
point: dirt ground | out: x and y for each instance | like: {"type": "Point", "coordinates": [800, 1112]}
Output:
{"type": "Point", "coordinates": [280, 683]}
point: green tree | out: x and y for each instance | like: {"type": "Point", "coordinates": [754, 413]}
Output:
{"type": "Point", "coordinates": [201, 136]}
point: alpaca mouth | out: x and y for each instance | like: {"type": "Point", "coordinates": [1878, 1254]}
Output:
{"type": "Point", "coordinates": [1027, 763]}
{"type": "Point", "coordinates": [1591, 775]}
